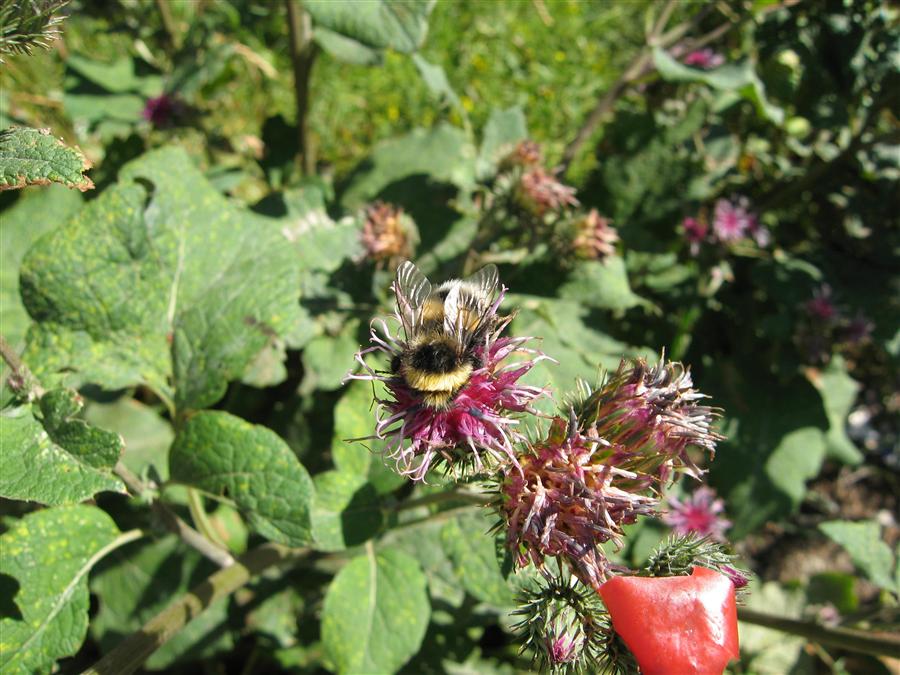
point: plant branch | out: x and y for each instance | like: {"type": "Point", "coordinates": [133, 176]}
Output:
{"type": "Point", "coordinates": [638, 68]}
{"type": "Point", "coordinates": [131, 653]}
{"type": "Point", "coordinates": [440, 498]}
{"type": "Point", "coordinates": [173, 523]}
{"type": "Point", "coordinates": [867, 642]}
{"type": "Point", "coordinates": [21, 380]}
{"type": "Point", "coordinates": [303, 55]}
{"type": "Point", "coordinates": [201, 520]}
{"type": "Point", "coordinates": [168, 22]}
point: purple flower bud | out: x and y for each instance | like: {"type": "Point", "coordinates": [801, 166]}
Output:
{"type": "Point", "coordinates": [593, 237]}
{"type": "Point", "coordinates": [540, 193]}
{"type": "Point", "coordinates": [388, 233]}
{"type": "Point", "coordinates": [161, 111]}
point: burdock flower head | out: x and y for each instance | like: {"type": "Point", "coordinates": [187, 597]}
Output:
{"type": "Point", "coordinates": [526, 154]}
{"type": "Point", "coordinates": [649, 416]}
{"type": "Point", "coordinates": [540, 193]}
{"type": "Point", "coordinates": [452, 396]}
{"type": "Point", "coordinates": [593, 238]}
{"type": "Point", "coordinates": [388, 233]}
{"type": "Point", "coordinates": [567, 498]}
{"type": "Point", "coordinates": [564, 624]}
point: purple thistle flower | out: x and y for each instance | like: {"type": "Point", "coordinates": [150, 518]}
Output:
{"type": "Point", "coordinates": [649, 416]}
{"type": "Point", "coordinates": [479, 419]}
{"type": "Point", "coordinates": [162, 110]}
{"type": "Point", "coordinates": [704, 58]}
{"type": "Point", "coordinates": [539, 193]}
{"type": "Point", "coordinates": [526, 154]}
{"type": "Point", "coordinates": [387, 233]}
{"type": "Point", "coordinates": [594, 238]}
{"type": "Point", "coordinates": [820, 307]}
{"type": "Point", "coordinates": [565, 498]}
{"type": "Point", "coordinates": [732, 220]}
{"type": "Point", "coordinates": [695, 232]}
{"type": "Point", "coordinates": [700, 513]}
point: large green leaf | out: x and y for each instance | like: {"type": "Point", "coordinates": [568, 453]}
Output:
{"type": "Point", "coordinates": [35, 157]}
{"type": "Point", "coordinates": [46, 557]}
{"type": "Point", "coordinates": [160, 281]}
{"type": "Point", "coordinates": [443, 154]}
{"type": "Point", "coordinates": [838, 391]}
{"type": "Point", "coordinates": [37, 211]}
{"type": "Point", "coordinates": [502, 131]}
{"type": "Point", "coordinates": [50, 458]}
{"type": "Point", "coordinates": [381, 24]}
{"type": "Point", "coordinates": [867, 549]}
{"type": "Point", "coordinates": [250, 465]}
{"type": "Point", "coordinates": [375, 613]}
{"type": "Point", "coordinates": [601, 284]}
{"type": "Point", "coordinates": [346, 512]}
{"type": "Point", "coordinates": [139, 581]}
{"type": "Point", "coordinates": [473, 551]}
{"type": "Point", "coordinates": [354, 418]}
{"type": "Point", "coordinates": [776, 442]}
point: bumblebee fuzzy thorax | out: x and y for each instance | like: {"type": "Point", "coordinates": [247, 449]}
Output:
{"type": "Point", "coordinates": [434, 365]}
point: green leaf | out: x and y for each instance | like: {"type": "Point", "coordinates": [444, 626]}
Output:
{"type": "Point", "coordinates": [775, 443]}
{"type": "Point", "coordinates": [346, 512]}
{"type": "Point", "coordinates": [190, 287]}
{"type": "Point", "coordinates": [34, 213]}
{"type": "Point", "coordinates": [838, 391]}
{"type": "Point", "coordinates": [443, 153]}
{"type": "Point", "coordinates": [117, 76]}
{"type": "Point", "coordinates": [379, 24]}
{"type": "Point", "coordinates": [502, 131]}
{"type": "Point", "coordinates": [375, 613]}
{"type": "Point", "coordinates": [35, 157]}
{"type": "Point", "coordinates": [48, 554]}
{"type": "Point", "coordinates": [249, 465]}
{"type": "Point", "coordinates": [91, 445]}
{"type": "Point", "coordinates": [347, 49]}
{"type": "Point", "coordinates": [135, 583]}
{"type": "Point", "coordinates": [327, 358]}
{"type": "Point", "coordinates": [739, 78]}
{"type": "Point", "coordinates": [51, 459]}
{"type": "Point", "coordinates": [436, 80]}
{"type": "Point", "coordinates": [768, 650]}
{"type": "Point", "coordinates": [354, 418]}
{"type": "Point", "coordinates": [869, 552]}
{"type": "Point", "coordinates": [603, 285]}
{"type": "Point", "coordinates": [147, 435]}
{"type": "Point", "coordinates": [796, 459]}
{"type": "Point", "coordinates": [474, 554]}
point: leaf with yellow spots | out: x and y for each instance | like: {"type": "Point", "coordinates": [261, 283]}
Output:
{"type": "Point", "coordinates": [52, 458]}
{"type": "Point", "coordinates": [43, 570]}
{"type": "Point", "coordinates": [250, 466]}
{"type": "Point", "coordinates": [375, 613]}
{"type": "Point", "coordinates": [160, 281]}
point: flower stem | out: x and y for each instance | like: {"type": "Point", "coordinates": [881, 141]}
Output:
{"type": "Point", "coordinates": [21, 380]}
{"type": "Point", "coordinates": [131, 653]}
{"type": "Point", "coordinates": [440, 498]}
{"type": "Point", "coordinates": [867, 642]}
{"type": "Point", "coordinates": [303, 55]}
{"type": "Point", "coordinates": [170, 519]}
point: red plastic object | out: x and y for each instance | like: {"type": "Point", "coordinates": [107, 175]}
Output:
{"type": "Point", "coordinates": [676, 625]}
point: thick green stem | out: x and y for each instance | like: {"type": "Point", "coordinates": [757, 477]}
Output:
{"type": "Point", "coordinates": [303, 55]}
{"type": "Point", "coordinates": [884, 644]}
{"type": "Point", "coordinates": [131, 653]}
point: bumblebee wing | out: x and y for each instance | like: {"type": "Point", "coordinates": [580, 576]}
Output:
{"type": "Point", "coordinates": [412, 289]}
{"type": "Point", "coordinates": [468, 301]}
{"type": "Point", "coordinates": [486, 281]}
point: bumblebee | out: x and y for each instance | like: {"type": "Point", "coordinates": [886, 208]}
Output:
{"type": "Point", "coordinates": [443, 328]}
